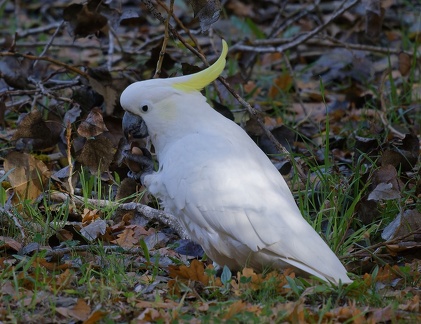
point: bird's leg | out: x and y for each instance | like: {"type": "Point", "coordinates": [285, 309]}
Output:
{"type": "Point", "coordinates": [140, 163]}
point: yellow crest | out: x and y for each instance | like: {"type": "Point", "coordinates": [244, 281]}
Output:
{"type": "Point", "coordinates": [199, 80]}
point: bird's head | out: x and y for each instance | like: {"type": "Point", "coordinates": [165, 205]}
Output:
{"type": "Point", "coordinates": [158, 101]}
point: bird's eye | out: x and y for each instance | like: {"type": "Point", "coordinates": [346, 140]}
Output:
{"type": "Point", "coordinates": [145, 108]}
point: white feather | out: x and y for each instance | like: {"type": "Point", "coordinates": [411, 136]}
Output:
{"type": "Point", "coordinates": [226, 192]}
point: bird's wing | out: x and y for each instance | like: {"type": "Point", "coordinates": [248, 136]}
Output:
{"type": "Point", "coordinates": [234, 190]}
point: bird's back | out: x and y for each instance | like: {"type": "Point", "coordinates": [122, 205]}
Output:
{"type": "Point", "coordinates": [235, 203]}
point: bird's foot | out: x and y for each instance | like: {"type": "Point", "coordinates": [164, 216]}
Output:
{"type": "Point", "coordinates": [140, 163]}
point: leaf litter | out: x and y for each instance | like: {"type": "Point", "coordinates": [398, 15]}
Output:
{"type": "Point", "coordinates": [370, 100]}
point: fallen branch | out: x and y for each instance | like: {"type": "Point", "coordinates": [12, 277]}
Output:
{"type": "Point", "coordinates": [145, 211]}
{"type": "Point", "coordinates": [48, 59]}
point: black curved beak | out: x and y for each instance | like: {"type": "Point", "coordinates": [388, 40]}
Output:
{"type": "Point", "coordinates": [134, 126]}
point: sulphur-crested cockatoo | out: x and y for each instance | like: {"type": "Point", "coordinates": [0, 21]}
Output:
{"type": "Point", "coordinates": [222, 188]}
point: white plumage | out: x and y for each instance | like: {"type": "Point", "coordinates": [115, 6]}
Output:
{"type": "Point", "coordinates": [225, 191]}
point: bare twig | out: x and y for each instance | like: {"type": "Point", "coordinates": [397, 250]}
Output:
{"type": "Point", "coordinates": [333, 42]}
{"type": "Point", "coordinates": [48, 59]}
{"type": "Point", "coordinates": [58, 253]}
{"type": "Point", "coordinates": [158, 215]}
{"type": "Point", "coordinates": [157, 15]}
{"type": "Point", "coordinates": [164, 42]}
{"type": "Point", "coordinates": [288, 22]}
{"type": "Point", "coordinates": [180, 23]}
{"type": "Point", "coordinates": [376, 246]}
{"type": "Point", "coordinates": [146, 211]}
{"type": "Point", "coordinates": [70, 163]}
{"type": "Point", "coordinates": [50, 42]}
{"type": "Point", "coordinates": [38, 30]}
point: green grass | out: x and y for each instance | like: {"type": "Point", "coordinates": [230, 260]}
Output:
{"type": "Point", "coordinates": [40, 286]}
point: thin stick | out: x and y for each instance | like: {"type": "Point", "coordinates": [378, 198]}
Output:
{"type": "Point", "coordinates": [70, 163]}
{"type": "Point", "coordinates": [185, 29]}
{"type": "Point", "coordinates": [46, 58]}
{"type": "Point", "coordinates": [146, 211]}
{"type": "Point", "coordinates": [158, 16]}
{"type": "Point", "coordinates": [50, 42]}
{"type": "Point", "coordinates": [164, 42]}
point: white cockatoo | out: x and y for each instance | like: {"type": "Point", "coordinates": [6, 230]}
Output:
{"type": "Point", "coordinates": [223, 189]}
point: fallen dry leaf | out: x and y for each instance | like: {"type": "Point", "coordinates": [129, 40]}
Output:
{"type": "Point", "coordinates": [28, 176]}
{"type": "Point", "coordinates": [9, 243]}
{"type": "Point", "coordinates": [80, 311]}
{"type": "Point", "coordinates": [126, 238]}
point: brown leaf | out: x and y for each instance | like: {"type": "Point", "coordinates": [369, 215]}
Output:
{"type": "Point", "coordinates": [89, 216]}
{"type": "Point", "coordinates": [196, 272]}
{"type": "Point", "coordinates": [84, 22]}
{"type": "Point", "coordinates": [404, 63]}
{"type": "Point", "coordinates": [281, 84]}
{"type": "Point", "coordinates": [49, 265]}
{"type": "Point", "coordinates": [151, 315]}
{"type": "Point", "coordinates": [374, 18]}
{"type": "Point", "coordinates": [9, 243]}
{"type": "Point", "coordinates": [93, 125]}
{"type": "Point", "coordinates": [103, 83]}
{"type": "Point", "coordinates": [28, 176]}
{"type": "Point", "coordinates": [388, 273]}
{"type": "Point", "coordinates": [95, 317]}
{"type": "Point", "coordinates": [42, 133]}
{"type": "Point", "coordinates": [31, 125]}
{"type": "Point", "coordinates": [128, 187]}
{"type": "Point", "coordinates": [292, 311]}
{"type": "Point", "coordinates": [80, 311]}
{"type": "Point", "coordinates": [241, 9]}
{"type": "Point", "coordinates": [412, 305]}
{"type": "Point", "coordinates": [140, 231]}
{"type": "Point", "coordinates": [97, 154]}
{"type": "Point", "coordinates": [381, 315]}
{"type": "Point", "coordinates": [235, 308]}
{"type": "Point", "coordinates": [64, 235]}
{"type": "Point", "coordinates": [64, 279]}
{"type": "Point", "coordinates": [126, 238]}
{"type": "Point", "coordinates": [394, 249]}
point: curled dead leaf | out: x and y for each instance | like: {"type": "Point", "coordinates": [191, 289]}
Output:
{"type": "Point", "coordinates": [93, 125]}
